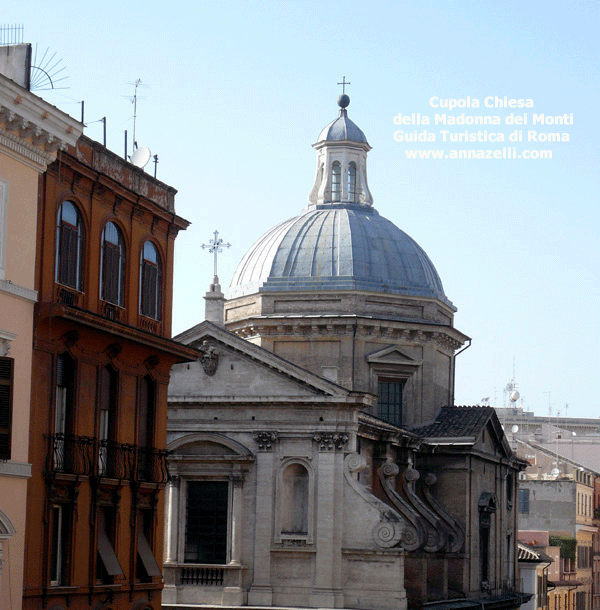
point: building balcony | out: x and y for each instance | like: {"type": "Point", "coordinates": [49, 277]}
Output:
{"type": "Point", "coordinates": [67, 296]}
{"type": "Point", "coordinates": [70, 454]}
{"type": "Point", "coordinates": [189, 583]}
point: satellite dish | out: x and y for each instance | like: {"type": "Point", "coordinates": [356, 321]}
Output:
{"type": "Point", "coordinates": [555, 472]}
{"type": "Point", "coordinates": [573, 433]}
{"type": "Point", "coordinates": [141, 156]}
{"type": "Point", "coordinates": [515, 429]}
{"type": "Point", "coordinates": [514, 396]}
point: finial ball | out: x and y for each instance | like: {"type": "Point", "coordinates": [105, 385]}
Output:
{"type": "Point", "coordinates": [343, 101]}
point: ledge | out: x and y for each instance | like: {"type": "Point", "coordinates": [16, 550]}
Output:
{"type": "Point", "coordinates": [19, 470]}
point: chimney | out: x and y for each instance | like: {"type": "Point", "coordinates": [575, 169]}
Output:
{"type": "Point", "coordinates": [215, 304]}
{"type": "Point", "coordinates": [15, 63]}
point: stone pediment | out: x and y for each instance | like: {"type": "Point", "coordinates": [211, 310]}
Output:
{"type": "Point", "coordinates": [392, 355]}
{"type": "Point", "coordinates": [236, 367]}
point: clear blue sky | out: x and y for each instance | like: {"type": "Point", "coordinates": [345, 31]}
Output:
{"type": "Point", "coordinates": [235, 92]}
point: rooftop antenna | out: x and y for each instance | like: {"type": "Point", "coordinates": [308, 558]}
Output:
{"type": "Point", "coordinates": [11, 34]}
{"type": "Point", "coordinates": [136, 85]}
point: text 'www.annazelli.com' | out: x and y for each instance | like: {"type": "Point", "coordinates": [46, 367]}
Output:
{"type": "Point", "coordinates": [506, 152]}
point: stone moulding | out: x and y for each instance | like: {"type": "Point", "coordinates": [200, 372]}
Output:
{"type": "Point", "coordinates": [328, 441]}
{"type": "Point", "coordinates": [265, 440]}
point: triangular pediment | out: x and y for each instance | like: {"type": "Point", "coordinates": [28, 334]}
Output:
{"type": "Point", "coordinates": [244, 369]}
{"type": "Point", "coordinates": [392, 355]}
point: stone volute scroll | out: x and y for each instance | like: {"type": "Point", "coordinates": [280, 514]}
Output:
{"type": "Point", "coordinates": [388, 526]}
{"type": "Point", "coordinates": [456, 533]}
{"type": "Point", "coordinates": [414, 536]}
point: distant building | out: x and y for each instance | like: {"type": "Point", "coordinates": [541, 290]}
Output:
{"type": "Point", "coordinates": [559, 497]}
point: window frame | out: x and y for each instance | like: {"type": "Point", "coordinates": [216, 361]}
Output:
{"type": "Point", "coordinates": [395, 419]}
{"type": "Point", "coordinates": [151, 272]}
{"type": "Point", "coordinates": [351, 177]}
{"type": "Point", "coordinates": [221, 514]}
{"type": "Point", "coordinates": [112, 280]}
{"type": "Point", "coordinates": [69, 272]}
{"type": "Point", "coordinates": [60, 520]}
{"type": "Point", "coordinates": [336, 181]}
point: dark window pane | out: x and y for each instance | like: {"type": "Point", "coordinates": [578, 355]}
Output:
{"type": "Point", "coordinates": [6, 382]}
{"type": "Point", "coordinates": [206, 522]}
{"type": "Point", "coordinates": [389, 401]}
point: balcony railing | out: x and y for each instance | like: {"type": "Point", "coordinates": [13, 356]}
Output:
{"type": "Point", "coordinates": [501, 588]}
{"type": "Point", "coordinates": [202, 575]}
{"type": "Point", "coordinates": [67, 296]}
{"type": "Point", "coordinates": [85, 455]}
{"type": "Point", "coordinates": [71, 454]}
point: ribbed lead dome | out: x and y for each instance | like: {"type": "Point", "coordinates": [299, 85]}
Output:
{"type": "Point", "coordinates": [349, 247]}
{"type": "Point", "coordinates": [340, 242]}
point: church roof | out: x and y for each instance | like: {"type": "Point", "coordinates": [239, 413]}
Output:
{"type": "Point", "coordinates": [342, 128]}
{"type": "Point", "coordinates": [340, 242]}
{"type": "Point", "coordinates": [338, 248]}
{"type": "Point", "coordinates": [456, 422]}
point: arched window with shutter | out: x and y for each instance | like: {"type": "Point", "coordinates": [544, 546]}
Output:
{"type": "Point", "coordinates": [150, 282]}
{"type": "Point", "coordinates": [112, 265]}
{"type": "Point", "coordinates": [69, 246]}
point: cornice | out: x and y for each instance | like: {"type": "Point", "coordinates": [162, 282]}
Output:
{"type": "Point", "coordinates": [412, 332]}
{"type": "Point", "coordinates": [18, 291]}
{"type": "Point", "coordinates": [24, 151]}
{"type": "Point", "coordinates": [33, 118]}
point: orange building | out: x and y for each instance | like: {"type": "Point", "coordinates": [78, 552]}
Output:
{"type": "Point", "coordinates": [102, 355]}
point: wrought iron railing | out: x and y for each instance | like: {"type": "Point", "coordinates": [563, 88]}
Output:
{"type": "Point", "coordinates": [85, 455]}
{"type": "Point", "coordinates": [152, 465]}
{"type": "Point", "coordinates": [67, 296]}
{"type": "Point", "coordinates": [111, 311]}
{"type": "Point", "coordinates": [71, 454]}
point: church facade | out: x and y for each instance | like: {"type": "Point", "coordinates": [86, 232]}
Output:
{"type": "Point", "coordinates": [315, 461]}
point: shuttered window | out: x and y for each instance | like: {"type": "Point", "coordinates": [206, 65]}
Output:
{"type": "Point", "coordinates": [113, 265]}
{"type": "Point", "coordinates": [150, 282]}
{"type": "Point", "coordinates": [69, 246]}
{"type": "Point", "coordinates": [6, 392]}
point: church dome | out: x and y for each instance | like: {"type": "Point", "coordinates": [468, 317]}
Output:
{"type": "Point", "coordinates": [340, 242]}
{"type": "Point", "coordinates": [350, 247]}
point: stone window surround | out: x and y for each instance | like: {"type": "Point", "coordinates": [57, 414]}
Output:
{"type": "Point", "coordinates": [282, 537]}
{"type": "Point", "coordinates": [184, 468]}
